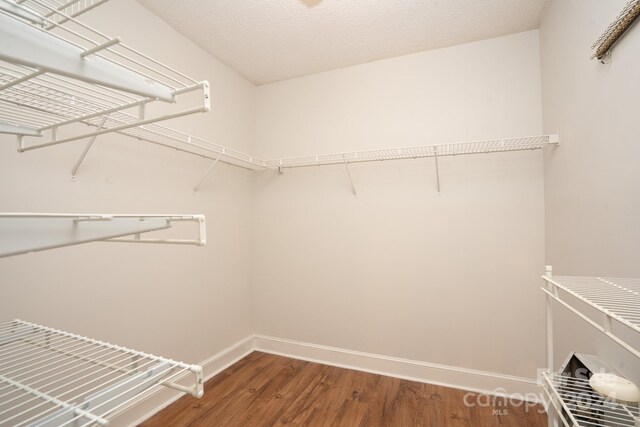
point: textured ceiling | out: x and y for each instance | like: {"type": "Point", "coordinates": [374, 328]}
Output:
{"type": "Point", "coordinates": [271, 40]}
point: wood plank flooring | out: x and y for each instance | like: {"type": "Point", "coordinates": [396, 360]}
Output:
{"type": "Point", "coordinates": [267, 390]}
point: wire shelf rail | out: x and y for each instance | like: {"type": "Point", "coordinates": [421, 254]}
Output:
{"type": "Point", "coordinates": [580, 406]}
{"type": "Point", "coordinates": [421, 151]}
{"type": "Point", "coordinates": [159, 134]}
{"type": "Point", "coordinates": [50, 377]}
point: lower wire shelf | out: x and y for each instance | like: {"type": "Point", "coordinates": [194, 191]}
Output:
{"type": "Point", "coordinates": [578, 405]}
{"type": "Point", "coordinates": [55, 378]}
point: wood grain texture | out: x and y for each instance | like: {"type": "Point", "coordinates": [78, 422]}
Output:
{"type": "Point", "coordinates": [267, 390]}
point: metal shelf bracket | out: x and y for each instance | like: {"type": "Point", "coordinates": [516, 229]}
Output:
{"type": "Point", "coordinates": [353, 187]}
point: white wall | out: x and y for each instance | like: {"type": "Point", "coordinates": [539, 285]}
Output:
{"type": "Point", "coordinates": [183, 302]}
{"type": "Point", "coordinates": [592, 184]}
{"type": "Point", "coordinates": [401, 270]}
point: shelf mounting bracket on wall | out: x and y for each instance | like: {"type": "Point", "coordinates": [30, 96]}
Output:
{"type": "Point", "coordinates": [208, 171]}
{"type": "Point", "coordinates": [353, 187]}
{"type": "Point", "coordinates": [435, 158]}
{"type": "Point", "coordinates": [74, 171]}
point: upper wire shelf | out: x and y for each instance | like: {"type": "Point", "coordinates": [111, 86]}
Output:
{"type": "Point", "coordinates": [615, 298]}
{"type": "Point", "coordinates": [52, 378]}
{"type": "Point", "coordinates": [421, 151]}
{"type": "Point", "coordinates": [57, 71]}
{"type": "Point", "coordinates": [165, 136]}
{"type": "Point", "coordinates": [90, 79]}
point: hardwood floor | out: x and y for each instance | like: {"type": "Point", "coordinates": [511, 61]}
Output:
{"type": "Point", "coordinates": [268, 390]}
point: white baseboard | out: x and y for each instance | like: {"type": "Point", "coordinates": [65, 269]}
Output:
{"type": "Point", "coordinates": [448, 376]}
{"type": "Point", "coordinates": [152, 403]}
{"type": "Point", "coordinates": [477, 381]}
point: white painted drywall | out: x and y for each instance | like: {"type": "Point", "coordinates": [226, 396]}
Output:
{"type": "Point", "coordinates": [183, 302]}
{"type": "Point", "coordinates": [592, 183]}
{"type": "Point", "coordinates": [401, 270]}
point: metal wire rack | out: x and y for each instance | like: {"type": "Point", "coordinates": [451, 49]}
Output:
{"type": "Point", "coordinates": [22, 233]}
{"type": "Point", "coordinates": [580, 406]}
{"type": "Point", "coordinates": [40, 94]}
{"type": "Point", "coordinates": [417, 152]}
{"type": "Point", "coordinates": [422, 151]}
{"type": "Point", "coordinates": [159, 134]}
{"type": "Point", "coordinates": [56, 71]}
{"type": "Point", "coordinates": [616, 299]}
{"type": "Point", "coordinates": [50, 377]}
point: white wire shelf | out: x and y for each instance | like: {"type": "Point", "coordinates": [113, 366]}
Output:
{"type": "Point", "coordinates": [578, 405]}
{"type": "Point", "coordinates": [57, 71]}
{"type": "Point", "coordinates": [422, 151]}
{"type": "Point", "coordinates": [50, 377]}
{"type": "Point", "coordinates": [22, 233]}
{"type": "Point", "coordinates": [38, 100]}
{"type": "Point", "coordinates": [159, 134]}
{"type": "Point", "coordinates": [615, 298]}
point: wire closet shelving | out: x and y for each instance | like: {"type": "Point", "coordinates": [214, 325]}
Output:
{"type": "Point", "coordinates": [52, 378]}
{"type": "Point", "coordinates": [615, 302]}
{"type": "Point", "coordinates": [583, 406]}
{"type": "Point", "coordinates": [57, 72]}
{"type": "Point", "coordinates": [417, 152]}
{"type": "Point", "coordinates": [420, 151]}
{"type": "Point", "coordinates": [22, 233]}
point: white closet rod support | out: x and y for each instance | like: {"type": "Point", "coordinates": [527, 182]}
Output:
{"type": "Point", "coordinates": [100, 47]}
{"type": "Point", "coordinates": [74, 171]}
{"type": "Point", "coordinates": [208, 171]}
{"type": "Point", "coordinates": [353, 187]}
{"type": "Point", "coordinates": [115, 129]}
{"type": "Point", "coordinates": [435, 158]}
